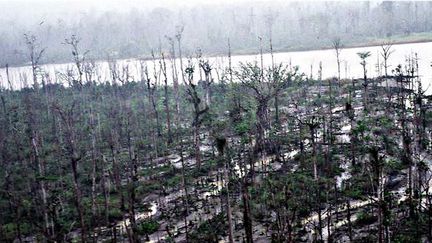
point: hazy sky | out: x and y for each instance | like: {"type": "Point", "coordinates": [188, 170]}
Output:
{"type": "Point", "coordinates": [47, 7]}
{"type": "Point", "coordinates": [115, 4]}
{"type": "Point", "coordinates": [29, 10]}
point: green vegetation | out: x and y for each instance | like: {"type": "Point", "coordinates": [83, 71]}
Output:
{"type": "Point", "coordinates": [271, 156]}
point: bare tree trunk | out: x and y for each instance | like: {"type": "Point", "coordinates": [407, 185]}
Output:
{"type": "Point", "coordinates": [320, 223]}
{"type": "Point", "coordinates": [116, 170]}
{"type": "Point", "coordinates": [94, 165]}
{"type": "Point", "coordinates": [151, 89]}
{"type": "Point", "coordinates": [179, 36]}
{"type": "Point", "coordinates": [106, 190]}
{"type": "Point", "coordinates": [68, 118]}
{"type": "Point", "coordinates": [74, 161]}
{"type": "Point", "coordinates": [8, 78]}
{"type": "Point", "coordinates": [197, 142]}
{"type": "Point", "coordinates": [228, 203]}
{"type": "Point", "coordinates": [175, 77]}
{"type": "Point", "coordinates": [166, 101]}
{"type": "Point", "coordinates": [197, 112]}
{"type": "Point", "coordinates": [205, 66]}
{"type": "Point", "coordinates": [350, 233]}
{"type": "Point", "coordinates": [365, 90]}
{"type": "Point", "coordinates": [186, 194]}
{"type": "Point", "coordinates": [337, 45]}
{"type": "Point", "coordinates": [263, 123]}
{"type": "Point", "coordinates": [247, 220]}
{"type": "Point", "coordinates": [41, 171]}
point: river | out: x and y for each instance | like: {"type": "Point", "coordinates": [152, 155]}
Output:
{"type": "Point", "coordinates": [307, 61]}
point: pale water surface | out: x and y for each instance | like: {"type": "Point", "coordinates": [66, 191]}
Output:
{"type": "Point", "coordinates": [308, 62]}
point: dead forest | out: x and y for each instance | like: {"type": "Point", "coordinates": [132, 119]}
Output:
{"type": "Point", "coordinates": [262, 153]}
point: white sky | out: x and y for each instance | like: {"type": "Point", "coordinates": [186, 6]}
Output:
{"type": "Point", "coordinates": [35, 10]}
{"type": "Point", "coordinates": [32, 8]}
{"type": "Point", "coordinates": [115, 3]}
{"type": "Point", "coordinates": [134, 3]}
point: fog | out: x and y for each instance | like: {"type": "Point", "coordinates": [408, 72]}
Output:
{"type": "Point", "coordinates": [132, 29]}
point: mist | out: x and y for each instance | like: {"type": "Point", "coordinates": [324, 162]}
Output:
{"type": "Point", "coordinates": [135, 28]}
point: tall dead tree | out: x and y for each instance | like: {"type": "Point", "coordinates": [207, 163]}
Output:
{"type": "Point", "coordinates": [179, 33]}
{"type": "Point", "coordinates": [8, 77]}
{"type": "Point", "coordinates": [133, 173]}
{"type": "Point", "coordinates": [198, 111]}
{"type": "Point", "coordinates": [363, 56]}
{"type": "Point", "coordinates": [263, 88]}
{"type": "Point", "coordinates": [69, 118]}
{"type": "Point", "coordinates": [152, 85]}
{"type": "Point", "coordinates": [337, 46]}
{"type": "Point", "coordinates": [269, 19]}
{"type": "Point", "coordinates": [221, 144]}
{"type": "Point", "coordinates": [163, 69]}
{"type": "Point", "coordinates": [95, 159]}
{"type": "Point", "coordinates": [207, 68]}
{"type": "Point", "coordinates": [39, 161]}
{"type": "Point", "coordinates": [403, 81]}
{"type": "Point", "coordinates": [378, 182]}
{"type": "Point", "coordinates": [35, 55]}
{"type": "Point", "coordinates": [78, 57]}
{"type": "Point", "coordinates": [386, 51]}
{"type": "Point", "coordinates": [175, 80]}
{"type": "Point", "coordinates": [247, 217]}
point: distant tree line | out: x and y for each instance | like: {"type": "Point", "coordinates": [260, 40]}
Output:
{"type": "Point", "coordinates": [293, 25]}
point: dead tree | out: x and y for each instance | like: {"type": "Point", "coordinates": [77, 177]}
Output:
{"type": "Point", "coordinates": [377, 178]}
{"type": "Point", "coordinates": [35, 55]}
{"type": "Point", "coordinates": [163, 69]}
{"type": "Point", "coordinates": [179, 33]}
{"type": "Point", "coordinates": [95, 159]}
{"type": "Point", "coordinates": [174, 73]}
{"type": "Point", "coordinates": [337, 46]}
{"type": "Point", "coordinates": [90, 71]}
{"type": "Point", "coordinates": [247, 217]}
{"type": "Point", "coordinates": [175, 84]}
{"type": "Point", "coordinates": [207, 68]}
{"type": "Point", "coordinates": [69, 119]}
{"type": "Point", "coordinates": [313, 122]}
{"type": "Point", "coordinates": [386, 51]}
{"type": "Point", "coordinates": [269, 19]}
{"type": "Point", "coordinates": [36, 144]}
{"type": "Point", "coordinates": [152, 98]}
{"type": "Point", "coordinates": [403, 80]}
{"type": "Point", "coordinates": [114, 147]}
{"type": "Point", "coordinates": [113, 67]}
{"type": "Point", "coordinates": [133, 173]}
{"type": "Point", "coordinates": [221, 144]}
{"type": "Point", "coordinates": [8, 77]}
{"type": "Point", "coordinates": [363, 56]}
{"type": "Point", "coordinates": [264, 88]}
{"type": "Point", "coordinates": [78, 58]}
{"type": "Point", "coordinates": [198, 111]}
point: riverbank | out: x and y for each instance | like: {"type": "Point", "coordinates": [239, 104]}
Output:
{"type": "Point", "coordinates": [368, 42]}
